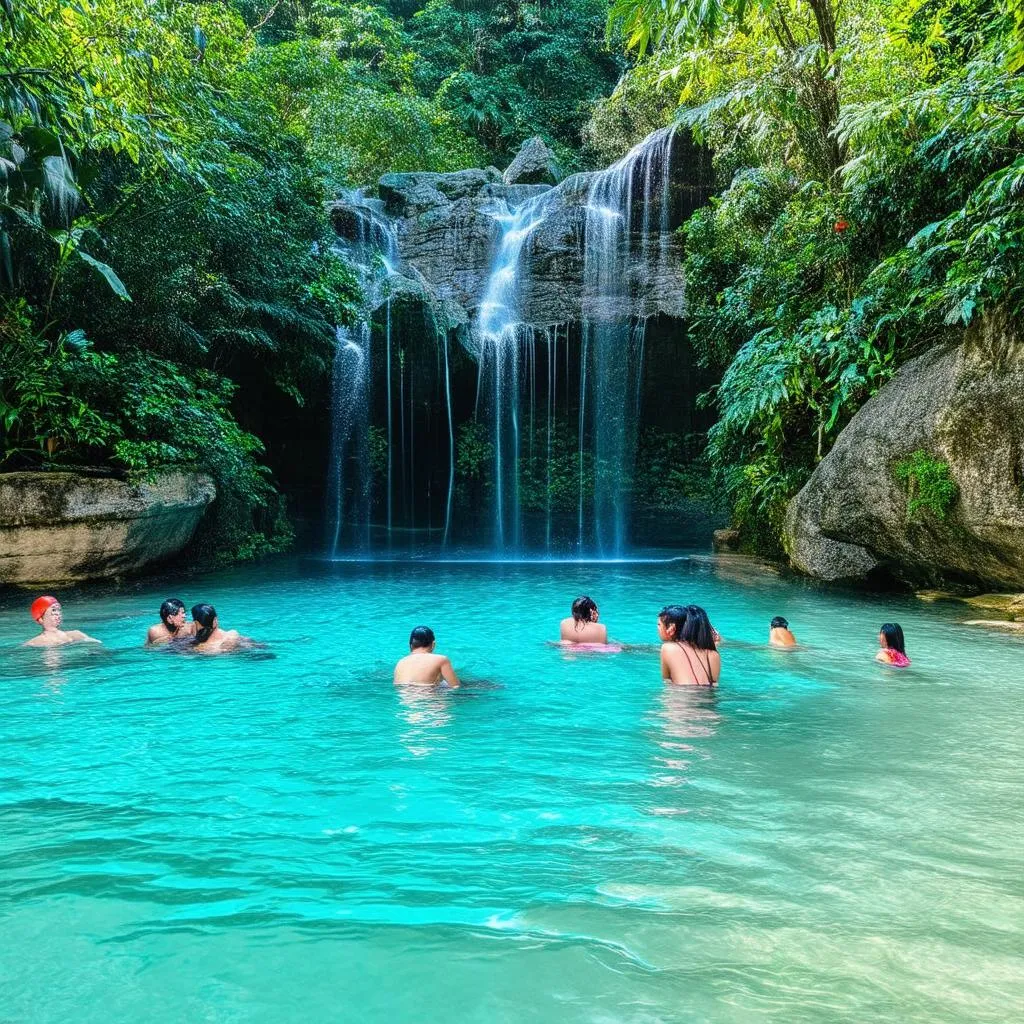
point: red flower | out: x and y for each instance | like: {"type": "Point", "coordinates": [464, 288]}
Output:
{"type": "Point", "coordinates": [840, 225]}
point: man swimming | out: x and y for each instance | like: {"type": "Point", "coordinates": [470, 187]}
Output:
{"type": "Point", "coordinates": [421, 664]}
{"type": "Point", "coordinates": [779, 633]}
{"type": "Point", "coordinates": [172, 624]}
{"type": "Point", "coordinates": [49, 614]}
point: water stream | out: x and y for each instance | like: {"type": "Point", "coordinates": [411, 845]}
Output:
{"type": "Point", "coordinates": [625, 236]}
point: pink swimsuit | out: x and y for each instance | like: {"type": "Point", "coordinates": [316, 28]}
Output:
{"type": "Point", "coordinates": [898, 659]}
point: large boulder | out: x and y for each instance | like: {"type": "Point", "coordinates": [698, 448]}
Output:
{"type": "Point", "coordinates": [64, 527]}
{"type": "Point", "coordinates": [962, 405]}
{"type": "Point", "coordinates": [534, 164]}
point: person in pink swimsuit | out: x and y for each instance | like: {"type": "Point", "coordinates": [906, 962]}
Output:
{"type": "Point", "coordinates": [893, 646]}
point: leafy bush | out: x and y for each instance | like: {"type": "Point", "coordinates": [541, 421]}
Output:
{"type": "Point", "coordinates": [930, 487]}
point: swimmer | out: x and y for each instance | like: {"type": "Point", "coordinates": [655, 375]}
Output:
{"type": "Point", "coordinates": [172, 624]}
{"type": "Point", "coordinates": [688, 652]}
{"type": "Point", "coordinates": [421, 664]}
{"type": "Point", "coordinates": [209, 638]}
{"type": "Point", "coordinates": [893, 646]}
{"type": "Point", "coordinates": [779, 634]}
{"type": "Point", "coordinates": [583, 627]}
{"type": "Point", "coordinates": [48, 613]}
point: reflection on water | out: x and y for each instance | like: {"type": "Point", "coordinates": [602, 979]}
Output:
{"type": "Point", "coordinates": [685, 714]}
{"type": "Point", "coordinates": [425, 710]}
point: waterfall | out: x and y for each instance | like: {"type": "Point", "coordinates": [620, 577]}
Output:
{"type": "Point", "coordinates": [349, 395]}
{"type": "Point", "coordinates": [371, 247]}
{"type": "Point", "coordinates": [503, 339]}
{"type": "Point", "coordinates": [625, 235]}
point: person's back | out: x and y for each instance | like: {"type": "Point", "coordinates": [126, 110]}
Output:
{"type": "Point", "coordinates": [219, 640]}
{"type": "Point", "coordinates": [779, 634]}
{"type": "Point", "coordinates": [421, 665]}
{"type": "Point", "coordinates": [893, 646]}
{"type": "Point", "coordinates": [209, 638]}
{"type": "Point", "coordinates": [582, 627]}
{"type": "Point", "coordinates": [688, 653]}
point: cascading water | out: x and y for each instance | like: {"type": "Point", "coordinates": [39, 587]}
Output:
{"type": "Point", "coordinates": [625, 235]}
{"type": "Point", "coordinates": [372, 249]}
{"type": "Point", "coordinates": [503, 340]}
{"type": "Point", "coordinates": [617, 246]}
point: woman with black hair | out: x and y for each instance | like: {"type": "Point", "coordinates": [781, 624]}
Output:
{"type": "Point", "coordinates": [172, 624]}
{"type": "Point", "coordinates": [582, 627]}
{"type": "Point", "coordinates": [893, 646]}
{"type": "Point", "coordinates": [209, 637]}
{"type": "Point", "coordinates": [688, 651]}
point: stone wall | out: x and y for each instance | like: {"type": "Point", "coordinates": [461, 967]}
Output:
{"type": "Point", "coordinates": [64, 527]}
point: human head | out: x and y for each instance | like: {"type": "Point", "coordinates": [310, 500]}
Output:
{"type": "Point", "coordinates": [697, 629]}
{"type": "Point", "coordinates": [206, 616]}
{"type": "Point", "coordinates": [584, 609]}
{"type": "Point", "coordinates": [47, 612]}
{"type": "Point", "coordinates": [421, 637]}
{"type": "Point", "coordinates": [779, 623]}
{"type": "Point", "coordinates": [891, 636]}
{"type": "Point", "coordinates": [671, 620]}
{"type": "Point", "coordinates": [172, 614]}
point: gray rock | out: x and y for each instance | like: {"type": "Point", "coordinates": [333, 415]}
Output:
{"type": "Point", "coordinates": [447, 228]}
{"type": "Point", "coordinates": [63, 527]}
{"type": "Point", "coordinates": [534, 165]}
{"type": "Point", "coordinates": [962, 404]}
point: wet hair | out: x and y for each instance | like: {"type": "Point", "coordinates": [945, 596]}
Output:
{"type": "Point", "coordinates": [674, 615]}
{"type": "Point", "coordinates": [779, 623]}
{"type": "Point", "coordinates": [205, 615]}
{"type": "Point", "coordinates": [893, 633]}
{"type": "Point", "coordinates": [697, 629]}
{"type": "Point", "coordinates": [582, 607]}
{"type": "Point", "coordinates": [421, 636]}
{"type": "Point", "coordinates": [171, 607]}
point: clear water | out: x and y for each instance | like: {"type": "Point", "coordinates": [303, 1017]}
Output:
{"type": "Point", "coordinates": [566, 839]}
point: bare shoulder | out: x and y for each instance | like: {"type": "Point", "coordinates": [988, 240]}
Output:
{"type": "Point", "coordinates": [36, 641]}
{"type": "Point", "coordinates": [78, 635]}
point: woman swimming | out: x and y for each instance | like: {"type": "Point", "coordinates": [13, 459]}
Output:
{"type": "Point", "coordinates": [172, 624]}
{"type": "Point", "coordinates": [688, 652]}
{"type": "Point", "coordinates": [209, 637]}
{"type": "Point", "coordinates": [583, 627]}
{"type": "Point", "coordinates": [893, 646]}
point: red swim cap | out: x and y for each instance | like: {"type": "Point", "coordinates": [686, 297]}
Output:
{"type": "Point", "coordinates": [40, 604]}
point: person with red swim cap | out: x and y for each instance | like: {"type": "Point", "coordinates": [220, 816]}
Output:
{"type": "Point", "coordinates": [47, 612]}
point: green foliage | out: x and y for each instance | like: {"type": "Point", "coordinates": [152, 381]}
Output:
{"type": "Point", "coordinates": [474, 452]}
{"type": "Point", "coordinates": [930, 487]}
{"type": "Point", "coordinates": [872, 163]}
{"type": "Point", "coordinates": [179, 156]}
{"type": "Point", "coordinates": [509, 70]}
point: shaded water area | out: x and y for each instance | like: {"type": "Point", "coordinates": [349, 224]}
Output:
{"type": "Point", "coordinates": [283, 836]}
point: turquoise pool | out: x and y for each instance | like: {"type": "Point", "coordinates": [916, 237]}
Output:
{"type": "Point", "coordinates": [283, 837]}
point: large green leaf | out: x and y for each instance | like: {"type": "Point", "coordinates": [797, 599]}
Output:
{"type": "Point", "coordinates": [116, 284]}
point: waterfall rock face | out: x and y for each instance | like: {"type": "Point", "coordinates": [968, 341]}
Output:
{"type": "Point", "coordinates": [448, 226]}
{"type": "Point", "coordinates": [548, 290]}
{"type": "Point", "coordinates": [534, 164]}
{"type": "Point", "coordinates": [962, 405]}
